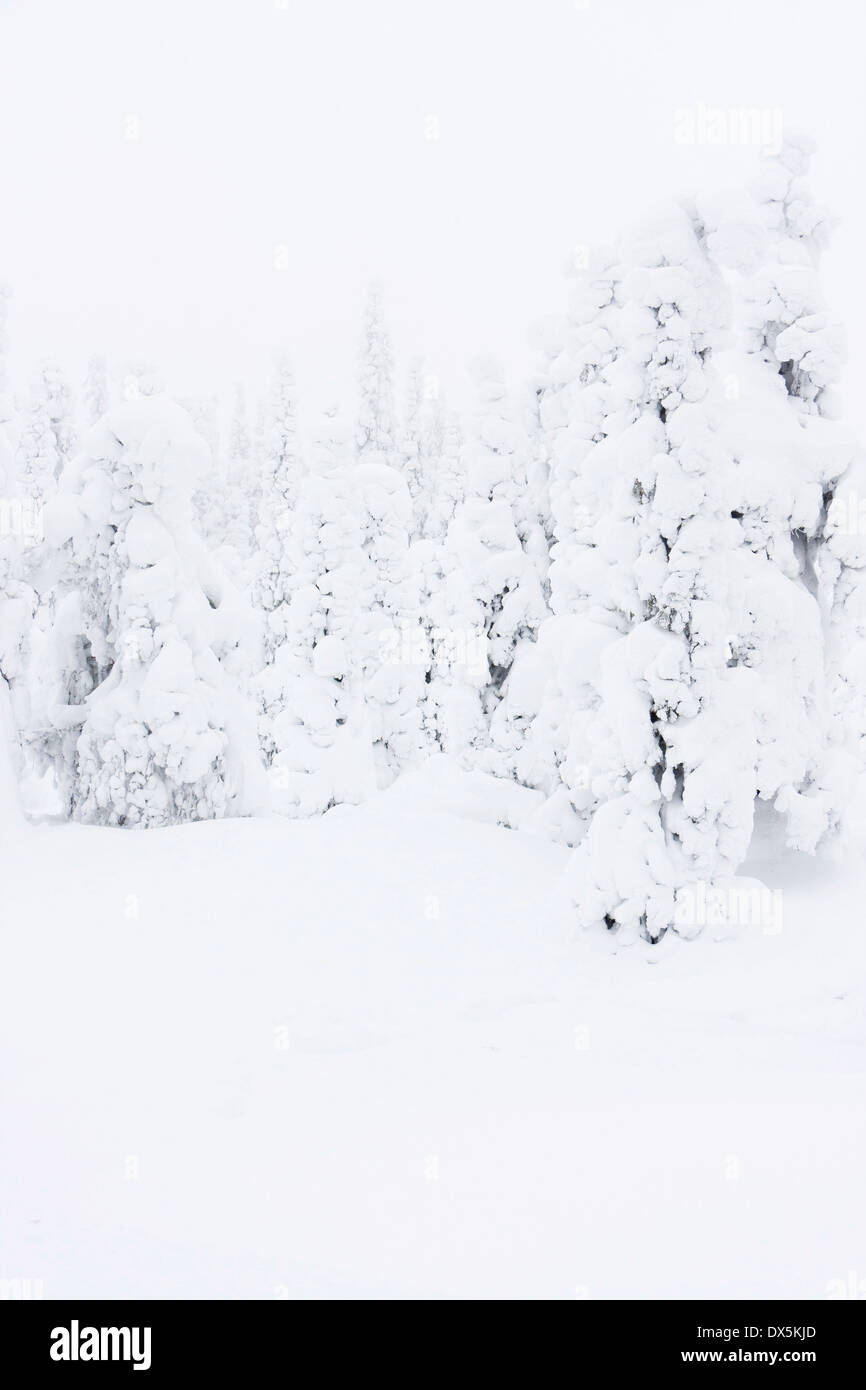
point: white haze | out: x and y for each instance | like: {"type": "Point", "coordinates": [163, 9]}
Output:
{"type": "Point", "coordinates": [282, 124]}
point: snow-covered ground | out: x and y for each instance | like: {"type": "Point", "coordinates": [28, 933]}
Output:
{"type": "Point", "coordinates": [365, 1056]}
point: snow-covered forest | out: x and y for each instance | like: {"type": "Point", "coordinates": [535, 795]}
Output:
{"type": "Point", "coordinates": [432, 651]}
{"type": "Point", "coordinates": [628, 585]}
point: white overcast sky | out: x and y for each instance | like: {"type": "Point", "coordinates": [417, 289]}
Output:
{"type": "Point", "coordinates": [304, 124]}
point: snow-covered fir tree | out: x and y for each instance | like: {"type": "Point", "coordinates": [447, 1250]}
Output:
{"type": "Point", "coordinates": [315, 729]}
{"type": "Point", "coordinates": [20, 530]}
{"type": "Point", "coordinates": [95, 394]}
{"type": "Point", "coordinates": [414, 446]}
{"type": "Point", "coordinates": [785, 313]}
{"type": "Point", "coordinates": [239, 484]}
{"type": "Point", "coordinates": [394, 655]}
{"type": "Point", "coordinates": [17, 607]}
{"type": "Point", "coordinates": [440, 500]}
{"type": "Point", "coordinates": [239, 429]}
{"type": "Point", "coordinates": [391, 640]}
{"type": "Point", "coordinates": [428, 454]}
{"type": "Point", "coordinates": [47, 435]}
{"type": "Point", "coordinates": [445, 476]}
{"type": "Point", "coordinates": [137, 710]}
{"type": "Point", "coordinates": [375, 433]}
{"type": "Point", "coordinates": [789, 324]}
{"type": "Point", "coordinates": [490, 601]}
{"type": "Point", "coordinates": [282, 469]}
{"type": "Point", "coordinates": [207, 500]}
{"type": "Point", "coordinates": [685, 674]}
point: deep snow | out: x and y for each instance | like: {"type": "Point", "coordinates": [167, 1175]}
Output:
{"type": "Point", "coordinates": [366, 1056]}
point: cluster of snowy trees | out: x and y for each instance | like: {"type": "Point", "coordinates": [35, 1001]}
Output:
{"type": "Point", "coordinates": [632, 585]}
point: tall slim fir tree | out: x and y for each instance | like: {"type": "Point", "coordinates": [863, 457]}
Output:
{"type": "Point", "coordinates": [375, 433]}
{"type": "Point", "coordinates": [282, 469]}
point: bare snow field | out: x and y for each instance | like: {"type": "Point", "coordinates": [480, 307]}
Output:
{"type": "Point", "coordinates": [367, 1056]}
